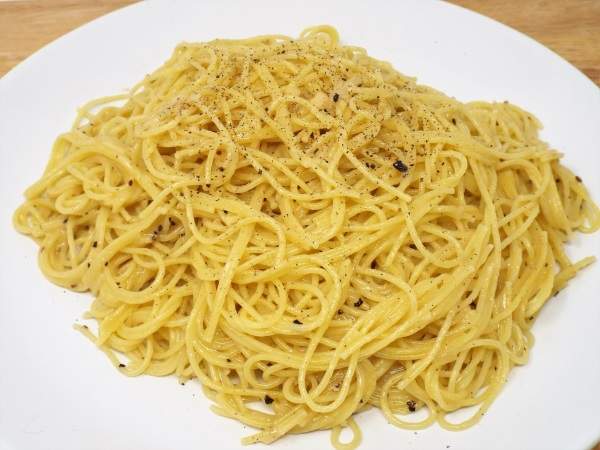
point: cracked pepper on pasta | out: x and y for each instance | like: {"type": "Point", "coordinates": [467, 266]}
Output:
{"type": "Point", "coordinates": [293, 222]}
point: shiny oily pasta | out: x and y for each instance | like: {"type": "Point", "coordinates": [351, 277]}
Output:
{"type": "Point", "coordinates": [293, 222]}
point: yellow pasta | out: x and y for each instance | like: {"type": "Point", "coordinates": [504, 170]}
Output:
{"type": "Point", "coordinates": [290, 221]}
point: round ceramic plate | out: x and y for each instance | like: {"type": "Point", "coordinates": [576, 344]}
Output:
{"type": "Point", "coordinates": [58, 392]}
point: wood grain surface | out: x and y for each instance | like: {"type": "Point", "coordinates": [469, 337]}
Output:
{"type": "Point", "coordinates": [569, 27]}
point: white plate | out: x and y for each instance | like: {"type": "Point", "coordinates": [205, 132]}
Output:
{"type": "Point", "coordinates": [58, 392]}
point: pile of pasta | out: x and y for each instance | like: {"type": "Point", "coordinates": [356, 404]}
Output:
{"type": "Point", "coordinates": [292, 222]}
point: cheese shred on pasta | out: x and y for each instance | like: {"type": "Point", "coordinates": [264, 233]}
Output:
{"type": "Point", "coordinates": [292, 222]}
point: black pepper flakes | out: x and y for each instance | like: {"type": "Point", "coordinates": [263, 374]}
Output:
{"type": "Point", "coordinates": [358, 302]}
{"type": "Point", "coordinates": [95, 244]}
{"type": "Point", "coordinates": [400, 166]}
{"type": "Point", "coordinates": [122, 365]}
{"type": "Point", "coordinates": [373, 264]}
{"type": "Point", "coordinates": [578, 178]}
{"type": "Point", "coordinates": [336, 97]}
{"type": "Point", "coordinates": [412, 405]}
{"type": "Point", "coordinates": [268, 400]}
{"type": "Point", "coordinates": [297, 322]}
{"type": "Point", "coordinates": [130, 182]}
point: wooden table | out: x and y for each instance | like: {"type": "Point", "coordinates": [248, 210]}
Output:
{"type": "Point", "coordinates": [569, 27]}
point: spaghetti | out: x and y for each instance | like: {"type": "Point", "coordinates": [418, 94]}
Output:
{"type": "Point", "coordinates": [290, 221]}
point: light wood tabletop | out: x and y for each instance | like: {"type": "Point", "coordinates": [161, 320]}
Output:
{"type": "Point", "coordinates": [569, 27]}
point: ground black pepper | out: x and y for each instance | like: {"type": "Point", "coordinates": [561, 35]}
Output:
{"type": "Point", "coordinates": [400, 166]}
